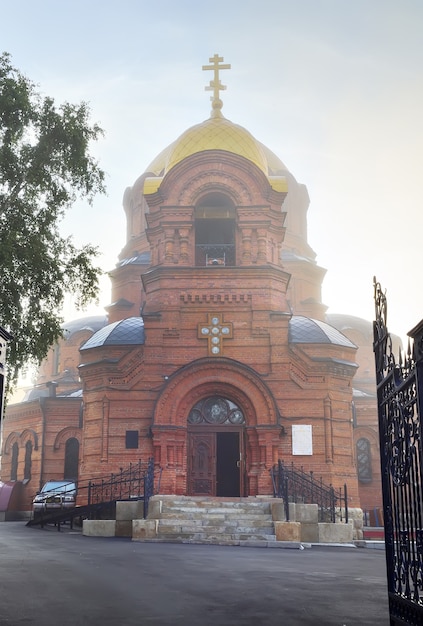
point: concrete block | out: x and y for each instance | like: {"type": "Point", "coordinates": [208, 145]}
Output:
{"type": "Point", "coordinates": [99, 527]}
{"type": "Point", "coordinates": [310, 533]}
{"type": "Point", "coordinates": [123, 528]}
{"type": "Point", "coordinates": [306, 513]}
{"type": "Point", "coordinates": [155, 507]}
{"type": "Point", "coordinates": [335, 533]}
{"type": "Point", "coordinates": [278, 511]}
{"type": "Point", "coordinates": [288, 531]}
{"type": "Point", "coordinates": [143, 529]}
{"type": "Point", "coordinates": [127, 510]}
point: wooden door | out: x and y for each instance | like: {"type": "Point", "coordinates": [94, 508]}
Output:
{"type": "Point", "coordinates": [216, 463]}
{"type": "Point", "coordinates": [202, 464]}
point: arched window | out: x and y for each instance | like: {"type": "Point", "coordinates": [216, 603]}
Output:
{"type": "Point", "coordinates": [215, 231]}
{"type": "Point", "coordinates": [15, 456]}
{"type": "Point", "coordinates": [364, 460]}
{"type": "Point", "coordinates": [71, 459]}
{"type": "Point", "coordinates": [28, 460]}
{"type": "Point", "coordinates": [216, 410]}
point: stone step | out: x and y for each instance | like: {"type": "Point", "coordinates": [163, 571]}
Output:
{"type": "Point", "coordinates": [212, 530]}
{"type": "Point", "coordinates": [215, 537]}
{"type": "Point", "coordinates": [208, 523]}
{"type": "Point", "coordinates": [210, 504]}
{"type": "Point", "coordinates": [213, 520]}
{"type": "Point", "coordinates": [189, 513]}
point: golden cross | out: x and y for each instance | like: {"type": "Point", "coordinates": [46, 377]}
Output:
{"type": "Point", "coordinates": [215, 84]}
{"type": "Point", "coordinates": [215, 331]}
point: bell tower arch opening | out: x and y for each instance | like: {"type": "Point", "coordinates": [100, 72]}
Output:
{"type": "Point", "coordinates": [215, 230]}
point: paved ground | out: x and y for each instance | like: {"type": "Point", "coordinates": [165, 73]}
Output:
{"type": "Point", "coordinates": [61, 579]}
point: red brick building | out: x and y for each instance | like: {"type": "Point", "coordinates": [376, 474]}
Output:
{"type": "Point", "coordinates": [217, 357]}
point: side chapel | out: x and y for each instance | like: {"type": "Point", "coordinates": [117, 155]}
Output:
{"type": "Point", "coordinates": [216, 356]}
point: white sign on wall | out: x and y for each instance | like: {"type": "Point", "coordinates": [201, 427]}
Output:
{"type": "Point", "coordinates": [302, 439]}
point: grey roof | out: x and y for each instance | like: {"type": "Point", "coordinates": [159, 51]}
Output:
{"type": "Point", "coordinates": [140, 259]}
{"type": "Point", "coordinates": [127, 332]}
{"type": "Point", "coordinates": [290, 255]}
{"type": "Point", "coordinates": [93, 323]}
{"type": "Point", "coordinates": [307, 330]}
{"type": "Point", "coordinates": [41, 391]}
{"type": "Point", "coordinates": [351, 322]}
{"type": "Point", "coordinates": [4, 334]}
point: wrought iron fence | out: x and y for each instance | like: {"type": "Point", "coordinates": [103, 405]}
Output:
{"type": "Point", "coordinates": [295, 485]}
{"type": "Point", "coordinates": [134, 483]}
{"type": "Point", "coordinates": [98, 496]}
{"type": "Point", "coordinates": [400, 397]}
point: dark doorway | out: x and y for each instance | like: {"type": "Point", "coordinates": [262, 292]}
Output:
{"type": "Point", "coordinates": [71, 459]}
{"type": "Point", "coordinates": [227, 464]}
{"type": "Point", "coordinates": [214, 462]}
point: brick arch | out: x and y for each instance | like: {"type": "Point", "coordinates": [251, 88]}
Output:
{"type": "Point", "coordinates": [367, 432]}
{"type": "Point", "coordinates": [207, 377]}
{"type": "Point", "coordinates": [214, 170]}
{"type": "Point", "coordinates": [207, 182]}
{"type": "Point", "coordinates": [65, 434]}
{"type": "Point", "coordinates": [13, 437]}
{"type": "Point", "coordinates": [29, 435]}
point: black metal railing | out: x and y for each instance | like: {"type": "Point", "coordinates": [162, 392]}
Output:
{"type": "Point", "coordinates": [138, 481]}
{"type": "Point", "coordinates": [297, 486]}
{"type": "Point", "coordinates": [400, 397]}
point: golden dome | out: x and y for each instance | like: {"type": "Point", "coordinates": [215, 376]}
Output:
{"type": "Point", "coordinates": [216, 133]}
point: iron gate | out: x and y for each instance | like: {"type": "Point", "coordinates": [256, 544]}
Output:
{"type": "Point", "coordinates": [400, 397]}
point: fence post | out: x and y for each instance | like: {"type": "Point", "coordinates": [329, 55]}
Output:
{"type": "Point", "coordinates": [346, 502]}
{"type": "Point", "coordinates": [286, 501]}
{"type": "Point", "coordinates": [332, 504]}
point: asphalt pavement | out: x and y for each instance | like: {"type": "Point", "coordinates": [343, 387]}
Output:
{"type": "Point", "coordinates": [58, 579]}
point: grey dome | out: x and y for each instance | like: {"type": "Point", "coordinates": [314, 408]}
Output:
{"type": "Point", "coordinates": [127, 332]}
{"type": "Point", "coordinates": [307, 330]}
{"type": "Point", "coordinates": [93, 324]}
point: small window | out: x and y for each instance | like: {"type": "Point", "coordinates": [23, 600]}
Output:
{"type": "Point", "coordinates": [28, 461]}
{"type": "Point", "coordinates": [15, 458]}
{"type": "Point", "coordinates": [71, 459]}
{"type": "Point", "coordinates": [131, 439]}
{"type": "Point", "coordinates": [364, 461]}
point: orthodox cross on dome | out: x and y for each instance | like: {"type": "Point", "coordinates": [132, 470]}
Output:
{"type": "Point", "coordinates": [215, 331]}
{"type": "Point", "coordinates": [215, 84]}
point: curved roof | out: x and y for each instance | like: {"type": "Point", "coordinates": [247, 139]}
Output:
{"type": "Point", "coordinates": [217, 133]}
{"type": "Point", "coordinates": [140, 259]}
{"type": "Point", "coordinates": [307, 330]}
{"type": "Point", "coordinates": [344, 322]}
{"type": "Point", "coordinates": [127, 332]}
{"type": "Point", "coordinates": [93, 324]}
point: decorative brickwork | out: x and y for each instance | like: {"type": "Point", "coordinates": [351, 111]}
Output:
{"type": "Point", "coordinates": [218, 265]}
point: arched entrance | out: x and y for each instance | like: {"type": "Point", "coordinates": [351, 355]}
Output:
{"type": "Point", "coordinates": [216, 448]}
{"type": "Point", "coordinates": [191, 433]}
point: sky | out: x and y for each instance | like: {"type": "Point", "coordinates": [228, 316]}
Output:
{"type": "Point", "coordinates": [333, 87]}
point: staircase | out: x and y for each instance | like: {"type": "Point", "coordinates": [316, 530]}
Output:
{"type": "Point", "coordinates": [226, 521]}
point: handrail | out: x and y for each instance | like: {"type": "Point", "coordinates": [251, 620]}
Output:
{"type": "Point", "coordinates": [136, 482]}
{"type": "Point", "coordinates": [295, 485]}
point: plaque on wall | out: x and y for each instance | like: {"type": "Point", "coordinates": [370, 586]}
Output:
{"type": "Point", "coordinates": [302, 440]}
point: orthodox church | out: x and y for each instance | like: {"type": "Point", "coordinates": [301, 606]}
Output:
{"type": "Point", "coordinates": [216, 356]}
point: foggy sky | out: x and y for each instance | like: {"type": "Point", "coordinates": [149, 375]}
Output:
{"type": "Point", "coordinates": [334, 88]}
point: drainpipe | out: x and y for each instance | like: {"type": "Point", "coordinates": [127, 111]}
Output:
{"type": "Point", "coordinates": [43, 432]}
{"type": "Point", "coordinates": [51, 386]}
